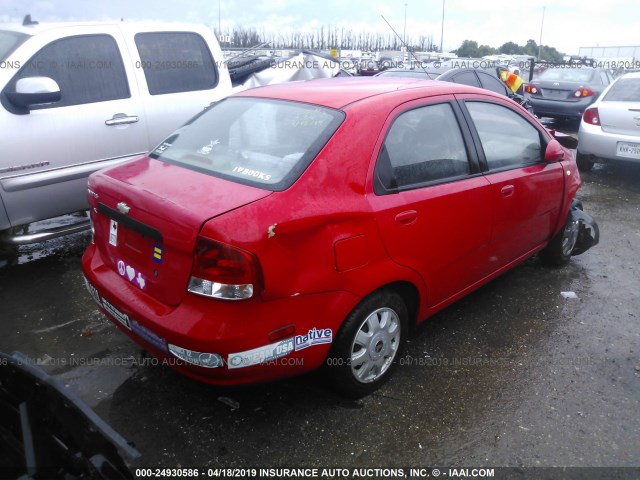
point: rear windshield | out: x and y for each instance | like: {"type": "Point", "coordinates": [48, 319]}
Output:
{"type": "Point", "coordinates": [9, 41]}
{"type": "Point", "coordinates": [624, 90]}
{"type": "Point", "coordinates": [260, 142]}
{"type": "Point", "coordinates": [567, 74]}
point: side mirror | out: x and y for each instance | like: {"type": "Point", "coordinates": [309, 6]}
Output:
{"type": "Point", "coordinates": [34, 91]}
{"type": "Point", "coordinates": [565, 140]}
{"type": "Point", "coordinates": [554, 152]}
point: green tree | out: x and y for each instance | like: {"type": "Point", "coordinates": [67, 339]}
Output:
{"type": "Point", "coordinates": [510, 48]}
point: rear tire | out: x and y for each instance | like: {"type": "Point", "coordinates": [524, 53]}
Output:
{"type": "Point", "coordinates": [368, 344]}
{"type": "Point", "coordinates": [584, 162]}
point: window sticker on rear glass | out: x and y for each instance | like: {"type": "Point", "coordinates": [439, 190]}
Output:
{"type": "Point", "coordinates": [206, 149]}
{"type": "Point", "coordinates": [162, 148]}
{"type": "Point", "coordinates": [128, 272]}
{"type": "Point", "coordinates": [252, 173]}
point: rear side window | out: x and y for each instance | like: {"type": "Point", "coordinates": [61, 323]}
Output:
{"type": "Point", "coordinates": [87, 69]}
{"type": "Point", "coordinates": [423, 145]}
{"type": "Point", "coordinates": [466, 78]}
{"type": "Point", "coordinates": [624, 90]}
{"type": "Point", "coordinates": [508, 140]}
{"type": "Point", "coordinates": [490, 82]}
{"type": "Point", "coordinates": [176, 62]}
{"type": "Point", "coordinates": [255, 141]}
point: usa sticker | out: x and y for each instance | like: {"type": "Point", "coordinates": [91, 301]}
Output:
{"type": "Point", "coordinates": [157, 253]}
{"type": "Point", "coordinates": [313, 337]}
{"type": "Point", "coordinates": [113, 233]}
{"type": "Point", "coordinates": [260, 354]}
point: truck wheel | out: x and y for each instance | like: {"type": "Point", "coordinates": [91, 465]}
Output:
{"type": "Point", "coordinates": [371, 338]}
{"type": "Point", "coordinates": [584, 162]}
{"type": "Point", "coordinates": [558, 252]}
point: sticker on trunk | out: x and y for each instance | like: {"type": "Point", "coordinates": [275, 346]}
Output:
{"type": "Point", "coordinates": [128, 272]}
{"type": "Point", "coordinates": [113, 233]}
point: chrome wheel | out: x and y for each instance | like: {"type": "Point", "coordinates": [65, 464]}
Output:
{"type": "Point", "coordinates": [569, 238]}
{"type": "Point", "coordinates": [375, 345]}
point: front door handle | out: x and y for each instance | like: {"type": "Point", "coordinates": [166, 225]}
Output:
{"type": "Point", "coordinates": [121, 119]}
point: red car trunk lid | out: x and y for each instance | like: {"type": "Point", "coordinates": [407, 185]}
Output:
{"type": "Point", "coordinates": [149, 238]}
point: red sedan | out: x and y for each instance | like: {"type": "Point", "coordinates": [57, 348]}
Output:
{"type": "Point", "coordinates": [309, 224]}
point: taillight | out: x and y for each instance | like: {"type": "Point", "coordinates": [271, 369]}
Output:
{"type": "Point", "coordinates": [591, 116]}
{"type": "Point", "coordinates": [583, 92]}
{"type": "Point", "coordinates": [530, 88]}
{"type": "Point", "coordinates": [224, 272]}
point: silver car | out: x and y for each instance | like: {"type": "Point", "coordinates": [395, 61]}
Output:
{"type": "Point", "coordinates": [610, 128]}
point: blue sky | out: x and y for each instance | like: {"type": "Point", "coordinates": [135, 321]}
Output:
{"type": "Point", "coordinates": [568, 25]}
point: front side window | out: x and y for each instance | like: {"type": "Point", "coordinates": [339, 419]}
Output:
{"type": "Point", "coordinates": [423, 145]}
{"type": "Point", "coordinates": [176, 62]}
{"type": "Point", "coordinates": [255, 141]}
{"type": "Point", "coordinates": [87, 68]}
{"type": "Point", "coordinates": [507, 139]}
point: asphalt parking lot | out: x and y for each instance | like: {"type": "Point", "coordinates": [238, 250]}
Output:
{"type": "Point", "coordinates": [513, 375]}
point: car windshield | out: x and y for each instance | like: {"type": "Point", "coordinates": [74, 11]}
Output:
{"type": "Point", "coordinates": [567, 74]}
{"type": "Point", "coordinates": [624, 90]}
{"type": "Point", "coordinates": [9, 41]}
{"type": "Point", "coordinates": [256, 141]}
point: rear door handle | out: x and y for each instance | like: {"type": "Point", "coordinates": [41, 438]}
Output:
{"type": "Point", "coordinates": [407, 218]}
{"type": "Point", "coordinates": [507, 190]}
{"type": "Point", "coordinates": [121, 119]}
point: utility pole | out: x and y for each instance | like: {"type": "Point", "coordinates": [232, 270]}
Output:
{"type": "Point", "coordinates": [541, 26]}
{"type": "Point", "coordinates": [442, 31]}
{"type": "Point", "coordinates": [404, 35]}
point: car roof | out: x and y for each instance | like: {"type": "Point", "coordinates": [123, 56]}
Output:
{"type": "Point", "coordinates": [340, 92]}
{"type": "Point", "coordinates": [36, 28]}
{"type": "Point", "coordinates": [631, 75]}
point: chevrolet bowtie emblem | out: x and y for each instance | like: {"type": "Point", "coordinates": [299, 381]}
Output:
{"type": "Point", "coordinates": [123, 208]}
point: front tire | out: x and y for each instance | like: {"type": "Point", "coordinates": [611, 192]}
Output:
{"type": "Point", "coordinates": [370, 340]}
{"type": "Point", "coordinates": [558, 252]}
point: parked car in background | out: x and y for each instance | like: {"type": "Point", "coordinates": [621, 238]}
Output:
{"type": "Point", "coordinates": [610, 128]}
{"type": "Point", "coordinates": [309, 225]}
{"type": "Point", "coordinates": [76, 98]}
{"type": "Point", "coordinates": [565, 91]}
{"type": "Point", "coordinates": [476, 77]}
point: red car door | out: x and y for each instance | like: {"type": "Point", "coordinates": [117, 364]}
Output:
{"type": "Point", "coordinates": [526, 190]}
{"type": "Point", "coordinates": [433, 206]}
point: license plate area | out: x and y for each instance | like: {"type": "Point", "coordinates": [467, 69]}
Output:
{"type": "Point", "coordinates": [628, 150]}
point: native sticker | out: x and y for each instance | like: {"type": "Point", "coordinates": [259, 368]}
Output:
{"type": "Point", "coordinates": [313, 337]}
{"type": "Point", "coordinates": [157, 253]}
{"type": "Point", "coordinates": [113, 233]}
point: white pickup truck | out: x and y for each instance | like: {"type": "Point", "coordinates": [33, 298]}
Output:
{"type": "Point", "coordinates": [76, 98]}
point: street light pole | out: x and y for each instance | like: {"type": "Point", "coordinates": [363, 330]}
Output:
{"type": "Point", "coordinates": [540, 43]}
{"type": "Point", "coordinates": [404, 35]}
{"type": "Point", "coordinates": [442, 32]}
